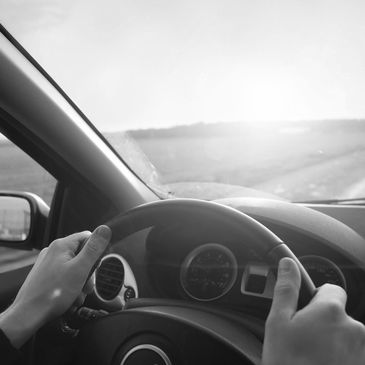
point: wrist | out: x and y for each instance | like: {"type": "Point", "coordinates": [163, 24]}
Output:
{"type": "Point", "coordinates": [20, 324]}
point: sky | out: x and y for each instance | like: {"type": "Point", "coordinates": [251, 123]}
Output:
{"type": "Point", "coordinates": [132, 64]}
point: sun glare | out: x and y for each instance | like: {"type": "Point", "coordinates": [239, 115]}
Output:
{"type": "Point", "coordinates": [258, 97]}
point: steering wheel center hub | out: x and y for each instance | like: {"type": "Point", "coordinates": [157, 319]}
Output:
{"type": "Point", "coordinates": [146, 354]}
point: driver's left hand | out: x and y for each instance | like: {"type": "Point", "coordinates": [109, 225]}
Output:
{"type": "Point", "coordinates": [55, 282]}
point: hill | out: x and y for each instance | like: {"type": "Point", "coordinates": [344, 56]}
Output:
{"type": "Point", "coordinates": [230, 129]}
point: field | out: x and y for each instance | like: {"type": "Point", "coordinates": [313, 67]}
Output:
{"type": "Point", "coordinates": [20, 173]}
{"type": "Point", "coordinates": [296, 161]}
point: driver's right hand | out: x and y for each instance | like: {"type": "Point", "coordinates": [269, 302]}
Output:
{"type": "Point", "coordinates": [320, 334]}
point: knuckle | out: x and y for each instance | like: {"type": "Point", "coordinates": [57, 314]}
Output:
{"type": "Point", "coordinates": [43, 251]}
{"type": "Point", "coordinates": [41, 256]}
{"type": "Point", "coordinates": [326, 286]}
{"type": "Point", "coordinates": [358, 330]}
{"type": "Point", "coordinates": [334, 309]}
{"type": "Point", "coordinates": [334, 290]}
{"type": "Point", "coordinates": [56, 244]}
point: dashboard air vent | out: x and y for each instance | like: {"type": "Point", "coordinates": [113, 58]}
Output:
{"type": "Point", "coordinates": [109, 277]}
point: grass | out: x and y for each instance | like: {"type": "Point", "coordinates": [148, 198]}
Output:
{"type": "Point", "coordinates": [291, 162]}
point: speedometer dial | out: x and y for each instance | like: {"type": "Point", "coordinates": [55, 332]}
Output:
{"type": "Point", "coordinates": [208, 272]}
{"type": "Point", "coordinates": [323, 271]}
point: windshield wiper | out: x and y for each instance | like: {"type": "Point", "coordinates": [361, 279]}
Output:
{"type": "Point", "coordinates": [353, 201]}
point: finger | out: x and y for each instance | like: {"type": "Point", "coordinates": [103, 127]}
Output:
{"type": "Point", "coordinates": [89, 286]}
{"type": "Point", "coordinates": [79, 301]}
{"type": "Point", "coordinates": [94, 247]}
{"type": "Point", "coordinates": [286, 291]}
{"type": "Point", "coordinates": [70, 243]}
{"type": "Point", "coordinates": [331, 293]}
{"type": "Point", "coordinates": [40, 257]}
{"type": "Point", "coordinates": [78, 236]}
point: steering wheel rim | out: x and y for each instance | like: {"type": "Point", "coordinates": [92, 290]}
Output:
{"type": "Point", "coordinates": [108, 339]}
{"type": "Point", "coordinates": [271, 248]}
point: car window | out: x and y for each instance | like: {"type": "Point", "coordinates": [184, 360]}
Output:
{"type": "Point", "coordinates": [19, 172]}
{"type": "Point", "coordinates": [212, 99]}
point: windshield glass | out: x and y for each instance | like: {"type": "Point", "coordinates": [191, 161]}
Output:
{"type": "Point", "coordinates": [211, 99]}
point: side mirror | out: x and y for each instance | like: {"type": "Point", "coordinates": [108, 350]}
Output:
{"type": "Point", "coordinates": [23, 219]}
{"type": "Point", "coordinates": [14, 219]}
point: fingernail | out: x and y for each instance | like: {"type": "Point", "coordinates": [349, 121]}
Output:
{"type": "Point", "coordinates": [285, 265]}
{"type": "Point", "coordinates": [104, 232]}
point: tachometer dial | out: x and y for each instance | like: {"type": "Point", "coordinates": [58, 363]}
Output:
{"type": "Point", "coordinates": [208, 272]}
{"type": "Point", "coordinates": [322, 271]}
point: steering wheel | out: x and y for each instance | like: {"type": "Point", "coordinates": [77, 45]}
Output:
{"type": "Point", "coordinates": [170, 332]}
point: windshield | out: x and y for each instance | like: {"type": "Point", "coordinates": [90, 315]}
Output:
{"type": "Point", "coordinates": [212, 99]}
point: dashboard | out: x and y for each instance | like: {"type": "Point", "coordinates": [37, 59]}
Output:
{"type": "Point", "coordinates": [197, 262]}
{"type": "Point", "coordinates": [209, 271]}
{"type": "Point", "coordinates": [114, 282]}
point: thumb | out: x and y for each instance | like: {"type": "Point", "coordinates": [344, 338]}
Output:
{"type": "Point", "coordinates": [286, 291]}
{"type": "Point", "coordinates": [94, 247]}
